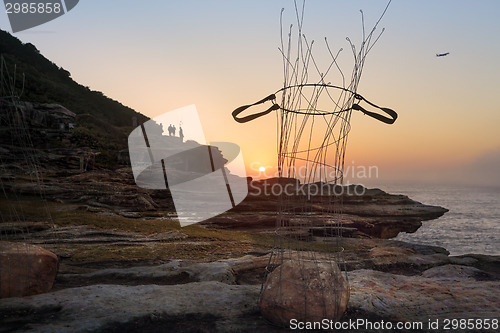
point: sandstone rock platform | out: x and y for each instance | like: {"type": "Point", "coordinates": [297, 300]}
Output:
{"type": "Point", "coordinates": [224, 300]}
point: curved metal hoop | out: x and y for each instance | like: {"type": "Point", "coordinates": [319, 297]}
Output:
{"type": "Point", "coordinates": [275, 106]}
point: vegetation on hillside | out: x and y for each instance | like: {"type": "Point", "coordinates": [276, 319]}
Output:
{"type": "Point", "coordinates": [102, 123]}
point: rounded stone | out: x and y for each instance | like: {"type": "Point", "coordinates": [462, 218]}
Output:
{"type": "Point", "coordinates": [305, 291]}
{"type": "Point", "coordinates": [26, 269]}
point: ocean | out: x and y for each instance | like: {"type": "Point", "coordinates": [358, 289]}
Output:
{"type": "Point", "coordinates": [472, 224]}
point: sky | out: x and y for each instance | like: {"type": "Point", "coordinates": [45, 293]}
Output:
{"type": "Point", "coordinates": [156, 56]}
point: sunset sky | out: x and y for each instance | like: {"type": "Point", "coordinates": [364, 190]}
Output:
{"type": "Point", "coordinates": [156, 56]}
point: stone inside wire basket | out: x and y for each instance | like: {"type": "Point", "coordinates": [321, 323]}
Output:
{"type": "Point", "coordinates": [306, 277]}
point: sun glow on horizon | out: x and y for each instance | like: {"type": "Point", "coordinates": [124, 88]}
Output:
{"type": "Point", "coordinates": [435, 133]}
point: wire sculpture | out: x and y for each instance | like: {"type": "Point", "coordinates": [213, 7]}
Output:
{"type": "Point", "coordinates": [303, 279]}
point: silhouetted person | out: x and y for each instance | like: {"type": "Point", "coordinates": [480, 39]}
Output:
{"type": "Point", "coordinates": [173, 130]}
{"type": "Point", "coordinates": [181, 134]}
{"type": "Point", "coordinates": [170, 130]}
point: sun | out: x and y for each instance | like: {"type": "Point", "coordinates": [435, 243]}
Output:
{"type": "Point", "coordinates": [262, 169]}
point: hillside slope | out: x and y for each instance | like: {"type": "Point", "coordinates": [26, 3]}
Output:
{"type": "Point", "coordinates": [101, 123]}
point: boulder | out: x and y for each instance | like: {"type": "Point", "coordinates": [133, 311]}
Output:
{"type": "Point", "coordinates": [25, 269]}
{"type": "Point", "coordinates": [304, 290]}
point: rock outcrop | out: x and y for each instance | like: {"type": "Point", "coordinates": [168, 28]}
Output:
{"type": "Point", "coordinates": [443, 292]}
{"type": "Point", "coordinates": [81, 235]}
{"type": "Point", "coordinates": [365, 212]}
{"type": "Point", "coordinates": [174, 272]}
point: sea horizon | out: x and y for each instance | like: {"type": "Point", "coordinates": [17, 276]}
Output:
{"type": "Point", "coordinates": [471, 226]}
